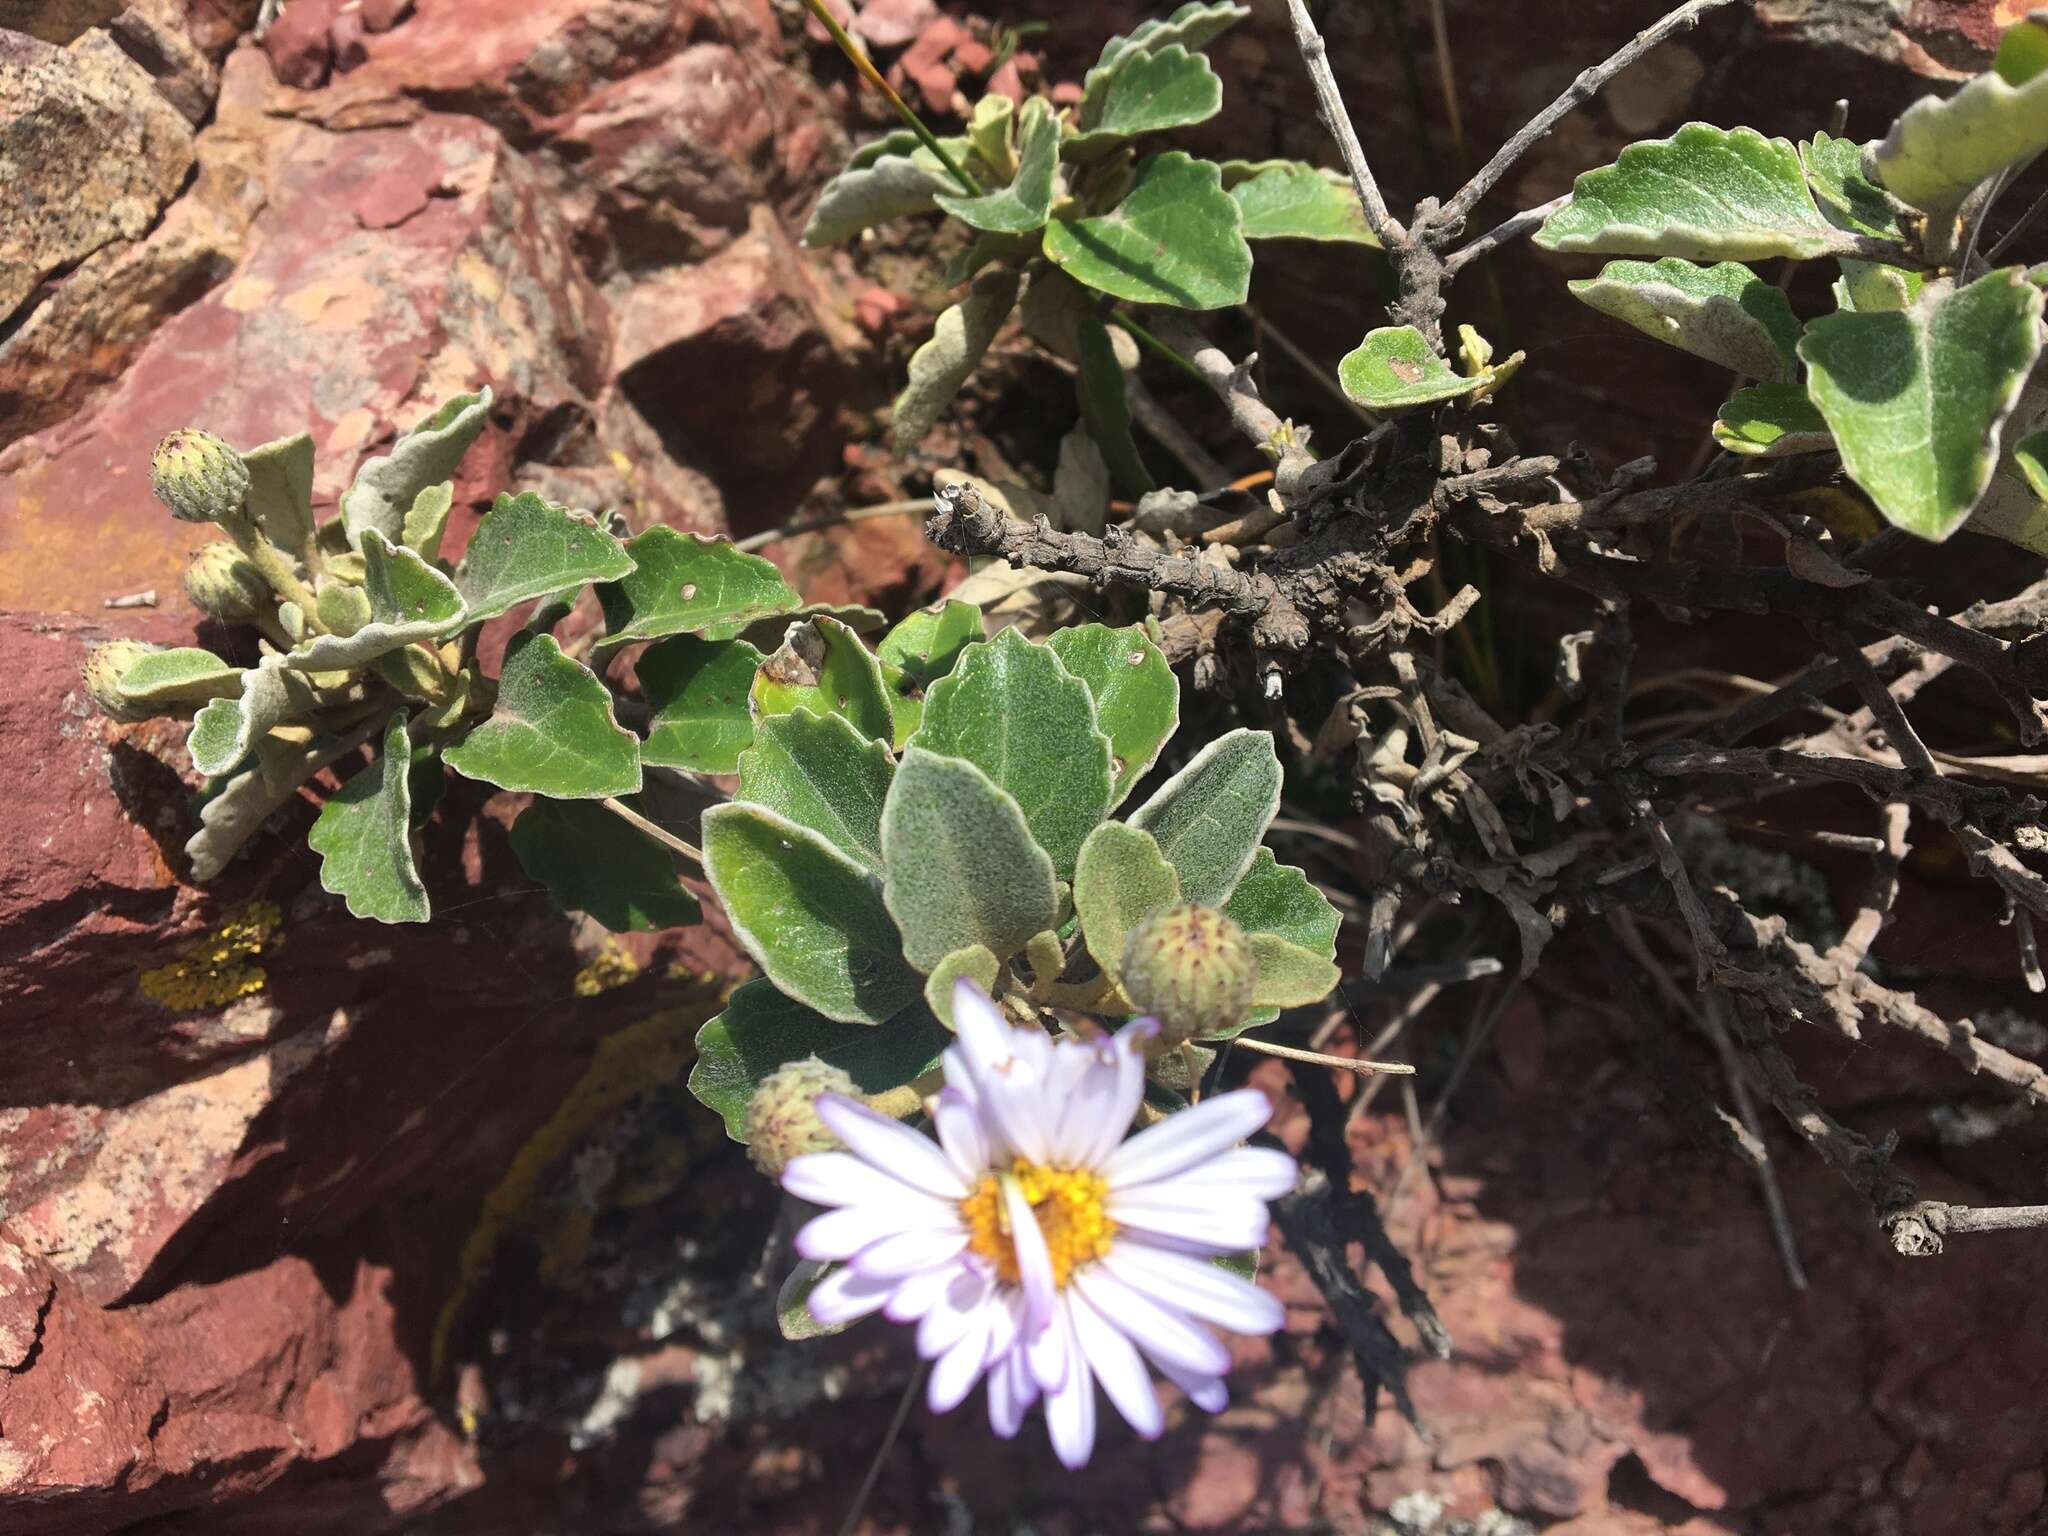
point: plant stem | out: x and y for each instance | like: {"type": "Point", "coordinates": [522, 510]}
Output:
{"type": "Point", "coordinates": [654, 830]}
{"type": "Point", "coordinates": [865, 67]}
{"type": "Point", "coordinates": [270, 562]}
{"type": "Point", "coordinates": [1338, 121]}
{"type": "Point", "coordinates": [1317, 1058]}
{"type": "Point", "coordinates": [1153, 344]}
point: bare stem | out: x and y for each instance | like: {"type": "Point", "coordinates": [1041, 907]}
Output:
{"type": "Point", "coordinates": [1525, 222]}
{"type": "Point", "coordinates": [659, 833]}
{"type": "Point", "coordinates": [1317, 1058]}
{"type": "Point", "coordinates": [1316, 56]}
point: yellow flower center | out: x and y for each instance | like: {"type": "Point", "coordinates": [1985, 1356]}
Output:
{"type": "Point", "coordinates": [1068, 1203]}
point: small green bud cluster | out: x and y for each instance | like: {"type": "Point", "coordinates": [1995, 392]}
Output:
{"type": "Point", "coordinates": [104, 665]}
{"type": "Point", "coordinates": [225, 584]}
{"type": "Point", "coordinates": [782, 1116]}
{"type": "Point", "coordinates": [1192, 969]}
{"type": "Point", "coordinates": [199, 477]}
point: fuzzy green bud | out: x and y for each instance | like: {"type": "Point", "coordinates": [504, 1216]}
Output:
{"type": "Point", "coordinates": [224, 582]}
{"type": "Point", "coordinates": [199, 477]}
{"type": "Point", "coordinates": [102, 671]}
{"type": "Point", "coordinates": [782, 1116]}
{"type": "Point", "coordinates": [1192, 969]}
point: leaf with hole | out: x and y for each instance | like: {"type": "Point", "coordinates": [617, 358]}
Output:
{"type": "Point", "coordinates": [1014, 711]}
{"type": "Point", "coordinates": [1940, 148]}
{"type": "Point", "coordinates": [1705, 193]}
{"type": "Point", "coordinates": [1916, 398]}
{"type": "Point", "coordinates": [821, 773]}
{"type": "Point", "coordinates": [763, 1029]}
{"type": "Point", "coordinates": [823, 667]}
{"type": "Point", "coordinates": [410, 603]}
{"type": "Point", "coordinates": [364, 837]}
{"type": "Point", "coordinates": [527, 547]}
{"type": "Point", "coordinates": [1137, 697]}
{"type": "Point", "coordinates": [1771, 420]}
{"type": "Point", "coordinates": [1209, 818]}
{"type": "Point", "coordinates": [1025, 203]}
{"type": "Point", "coordinates": [684, 584]}
{"type": "Point", "coordinates": [1176, 238]}
{"type": "Point", "coordinates": [385, 487]}
{"type": "Point", "coordinates": [942, 364]}
{"type": "Point", "coordinates": [1724, 313]}
{"type": "Point", "coordinates": [597, 863]}
{"type": "Point", "coordinates": [699, 713]}
{"type": "Point", "coordinates": [811, 917]}
{"type": "Point", "coordinates": [1148, 92]}
{"type": "Point", "coordinates": [552, 732]}
{"type": "Point", "coordinates": [1394, 369]}
{"type": "Point", "coordinates": [1120, 879]}
{"type": "Point", "coordinates": [961, 866]}
{"type": "Point", "coordinates": [1291, 200]}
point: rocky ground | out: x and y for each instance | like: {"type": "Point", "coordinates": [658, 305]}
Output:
{"type": "Point", "coordinates": [415, 1229]}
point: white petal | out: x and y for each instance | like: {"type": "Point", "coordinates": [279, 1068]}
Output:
{"type": "Point", "coordinates": [840, 1178]}
{"type": "Point", "coordinates": [842, 1233]}
{"type": "Point", "coordinates": [959, 1129]}
{"type": "Point", "coordinates": [1226, 1226]}
{"type": "Point", "coordinates": [843, 1296]}
{"type": "Point", "coordinates": [1206, 1392]}
{"type": "Point", "coordinates": [906, 1253]}
{"type": "Point", "coordinates": [959, 1368]}
{"type": "Point", "coordinates": [1080, 1071]}
{"type": "Point", "coordinates": [949, 1318]}
{"type": "Point", "coordinates": [987, 1039]}
{"type": "Point", "coordinates": [1046, 1352]}
{"type": "Point", "coordinates": [1160, 1331]}
{"type": "Point", "coordinates": [1010, 1392]}
{"type": "Point", "coordinates": [895, 1149]}
{"type": "Point", "coordinates": [1197, 1288]}
{"type": "Point", "coordinates": [1034, 1263]}
{"type": "Point", "coordinates": [1265, 1173]}
{"type": "Point", "coordinates": [1114, 1359]}
{"type": "Point", "coordinates": [1129, 1049]}
{"type": "Point", "coordinates": [919, 1293]}
{"type": "Point", "coordinates": [1070, 1412]}
{"type": "Point", "coordinates": [1014, 1103]}
{"type": "Point", "coordinates": [1187, 1139]}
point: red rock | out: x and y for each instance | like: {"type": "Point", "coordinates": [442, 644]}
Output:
{"type": "Point", "coordinates": [923, 63]}
{"type": "Point", "coordinates": [300, 43]}
{"type": "Point", "coordinates": [1008, 81]}
{"type": "Point", "coordinates": [973, 56]}
{"type": "Point", "coordinates": [383, 15]}
{"type": "Point", "coordinates": [875, 308]}
{"type": "Point", "coordinates": [892, 23]}
{"type": "Point", "coordinates": [350, 39]}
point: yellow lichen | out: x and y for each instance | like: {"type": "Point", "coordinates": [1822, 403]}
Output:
{"type": "Point", "coordinates": [1068, 1203]}
{"type": "Point", "coordinates": [221, 966]}
{"type": "Point", "coordinates": [612, 967]}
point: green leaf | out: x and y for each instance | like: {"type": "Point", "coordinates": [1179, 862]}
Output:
{"type": "Point", "coordinates": [1105, 408]}
{"type": "Point", "coordinates": [766, 634]}
{"type": "Point", "coordinates": [411, 603]}
{"type": "Point", "coordinates": [1120, 880]}
{"type": "Point", "coordinates": [592, 861]}
{"type": "Point", "coordinates": [1176, 238]}
{"type": "Point", "coordinates": [942, 364]}
{"type": "Point", "coordinates": [1288, 975]}
{"type": "Point", "coordinates": [427, 519]}
{"type": "Point", "coordinates": [1194, 25]}
{"type": "Point", "coordinates": [1705, 193]}
{"type": "Point", "coordinates": [906, 704]}
{"type": "Point", "coordinates": [793, 1299]}
{"type": "Point", "coordinates": [385, 487]}
{"type": "Point", "coordinates": [1015, 712]}
{"type": "Point", "coordinates": [1209, 818]}
{"type": "Point", "coordinates": [552, 731]}
{"type": "Point", "coordinates": [1148, 92]}
{"type": "Point", "coordinates": [281, 491]}
{"type": "Point", "coordinates": [898, 141]}
{"type": "Point", "coordinates": [1771, 420]}
{"type": "Point", "coordinates": [184, 675]}
{"type": "Point", "coordinates": [961, 866]}
{"type": "Point", "coordinates": [1939, 149]}
{"type": "Point", "coordinates": [1277, 898]}
{"type": "Point", "coordinates": [239, 805]}
{"type": "Point", "coordinates": [810, 916]}
{"type": "Point", "coordinates": [683, 583]}
{"type": "Point", "coordinates": [226, 729]}
{"type": "Point", "coordinates": [988, 130]}
{"type": "Point", "coordinates": [1024, 204]}
{"type": "Point", "coordinates": [1394, 368]}
{"type": "Point", "coordinates": [975, 963]}
{"type": "Point", "coordinates": [1724, 313]}
{"type": "Point", "coordinates": [2016, 507]}
{"type": "Point", "coordinates": [762, 1029]}
{"type": "Point", "coordinates": [823, 667]}
{"type": "Point", "coordinates": [882, 181]}
{"type": "Point", "coordinates": [364, 837]}
{"type": "Point", "coordinates": [1290, 200]}
{"type": "Point", "coordinates": [697, 695]}
{"type": "Point", "coordinates": [527, 547]}
{"type": "Point", "coordinates": [1871, 285]}
{"type": "Point", "coordinates": [1137, 697]}
{"type": "Point", "coordinates": [1916, 398]}
{"type": "Point", "coordinates": [928, 643]}
{"type": "Point", "coordinates": [2030, 457]}
{"type": "Point", "coordinates": [821, 773]}
{"type": "Point", "coordinates": [1845, 196]}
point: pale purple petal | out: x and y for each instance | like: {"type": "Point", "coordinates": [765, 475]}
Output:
{"type": "Point", "coordinates": [906, 1253]}
{"type": "Point", "coordinates": [1206, 1392]}
{"type": "Point", "coordinates": [1158, 1330]}
{"type": "Point", "coordinates": [1014, 1104]}
{"type": "Point", "coordinates": [947, 1320]}
{"type": "Point", "coordinates": [959, 1129]}
{"type": "Point", "coordinates": [1197, 1288]}
{"type": "Point", "coordinates": [842, 1233]}
{"type": "Point", "coordinates": [840, 1178]}
{"type": "Point", "coordinates": [894, 1148]}
{"type": "Point", "coordinates": [1070, 1412]}
{"type": "Point", "coordinates": [1187, 1139]}
{"type": "Point", "coordinates": [1034, 1263]}
{"type": "Point", "coordinates": [987, 1039]}
{"type": "Point", "coordinates": [1114, 1359]}
{"type": "Point", "coordinates": [1010, 1392]}
{"type": "Point", "coordinates": [1226, 1227]}
{"type": "Point", "coordinates": [918, 1294]}
{"type": "Point", "coordinates": [1078, 1066]}
{"type": "Point", "coordinates": [1129, 1091]}
{"type": "Point", "coordinates": [1264, 1173]}
{"type": "Point", "coordinates": [959, 1368]}
{"type": "Point", "coordinates": [843, 1296]}
{"type": "Point", "coordinates": [1046, 1353]}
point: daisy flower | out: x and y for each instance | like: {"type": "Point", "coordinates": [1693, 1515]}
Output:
{"type": "Point", "coordinates": [1033, 1244]}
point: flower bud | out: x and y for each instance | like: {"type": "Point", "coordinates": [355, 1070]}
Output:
{"type": "Point", "coordinates": [1192, 969]}
{"type": "Point", "coordinates": [224, 582]}
{"type": "Point", "coordinates": [782, 1116]}
{"type": "Point", "coordinates": [199, 477]}
{"type": "Point", "coordinates": [104, 665]}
